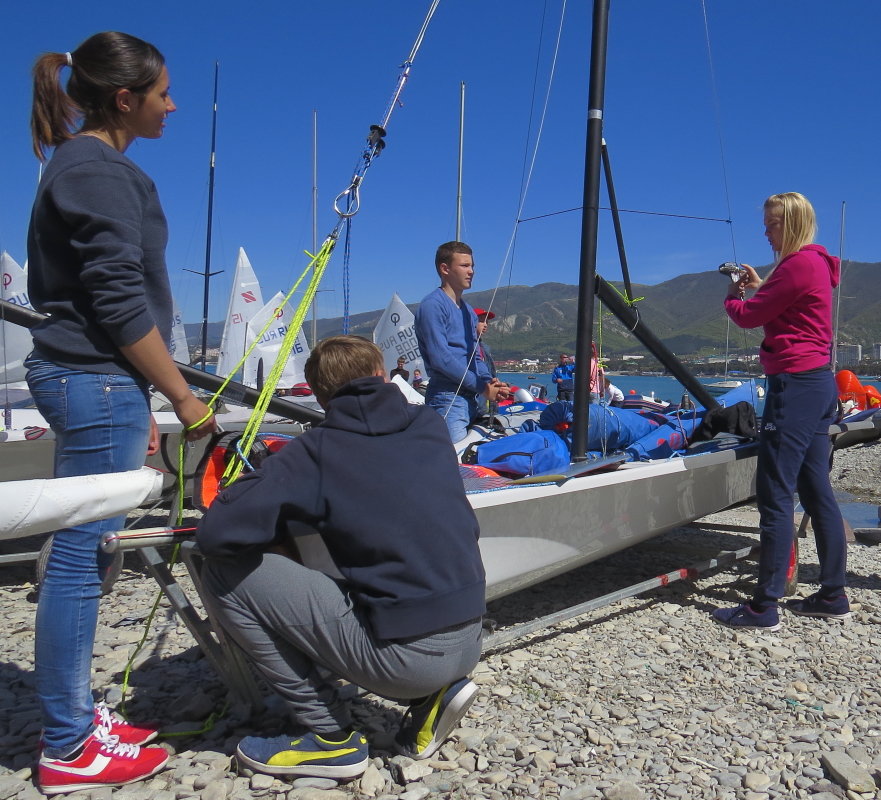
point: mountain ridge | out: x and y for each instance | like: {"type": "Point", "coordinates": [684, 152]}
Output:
{"type": "Point", "coordinates": [685, 312]}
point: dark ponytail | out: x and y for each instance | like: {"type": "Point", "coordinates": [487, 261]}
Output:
{"type": "Point", "coordinates": [100, 66]}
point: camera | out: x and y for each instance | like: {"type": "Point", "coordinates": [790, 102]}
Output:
{"type": "Point", "coordinates": [732, 270]}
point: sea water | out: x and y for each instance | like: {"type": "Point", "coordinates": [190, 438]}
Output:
{"type": "Point", "coordinates": [661, 387]}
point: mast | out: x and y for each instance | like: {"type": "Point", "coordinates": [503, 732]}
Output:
{"type": "Point", "coordinates": [590, 224]}
{"type": "Point", "coordinates": [589, 282]}
{"type": "Point", "coordinates": [461, 149]}
{"type": "Point", "coordinates": [314, 215]}
{"type": "Point", "coordinates": [207, 274]}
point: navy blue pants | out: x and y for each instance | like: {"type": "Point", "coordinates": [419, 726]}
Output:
{"type": "Point", "coordinates": [794, 453]}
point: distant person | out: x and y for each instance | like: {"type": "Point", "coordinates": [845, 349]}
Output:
{"type": "Point", "coordinates": [612, 395]}
{"type": "Point", "coordinates": [405, 619]}
{"type": "Point", "coordinates": [563, 377]}
{"type": "Point", "coordinates": [446, 328]}
{"type": "Point", "coordinates": [96, 255]}
{"type": "Point", "coordinates": [483, 319]}
{"type": "Point", "coordinates": [417, 379]}
{"type": "Point", "coordinates": [794, 305]}
{"type": "Point", "coordinates": [399, 370]}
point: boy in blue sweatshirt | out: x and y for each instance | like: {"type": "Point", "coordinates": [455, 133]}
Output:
{"type": "Point", "coordinates": [446, 329]}
{"type": "Point", "coordinates": [404, 621]}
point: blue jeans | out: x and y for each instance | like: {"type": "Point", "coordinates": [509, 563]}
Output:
{"type": "Point", "coordinates": [794, 453]}
{"type": "Point", "coordinates": [458, 411]}
{"type": "Point", "coordinates": [101, 424]}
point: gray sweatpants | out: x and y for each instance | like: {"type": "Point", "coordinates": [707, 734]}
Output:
{"type": "Point", "coordinates": [298, 625]}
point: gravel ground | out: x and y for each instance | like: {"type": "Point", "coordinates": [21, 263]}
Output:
{"type": "Point", "coordinates": [644, 698]}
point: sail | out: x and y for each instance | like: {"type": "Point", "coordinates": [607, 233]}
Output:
{"type": "Point", "coordinates": [244, 301]}
{"type": "Point", "coordinates": [15, 341]}
{"type": "Point", "coordinates": [270, 343]}
{"type": "Point", "coordinates": [395, 336]}
{"type": "Point", "coordinates": [180, 347]}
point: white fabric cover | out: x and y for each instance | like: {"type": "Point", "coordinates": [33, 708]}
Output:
{"type": "Point", "coordinates": [40, 506]}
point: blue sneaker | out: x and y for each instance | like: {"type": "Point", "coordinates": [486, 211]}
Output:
{"type": "Point", "coordinates": [429, 722]}
{"type": "Point", "coordinates": [825, 607]}
{"type": "Point", "coordinates": [744, 617]}
{"type": "Point", "coordinates": [308, 755]}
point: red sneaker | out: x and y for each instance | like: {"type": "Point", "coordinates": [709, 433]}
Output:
{"type": "Point", "coordinates": [115, 725]}
{"type": "Point", "coordinates": [102, 761]}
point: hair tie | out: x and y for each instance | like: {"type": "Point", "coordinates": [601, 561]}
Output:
{"type": "Point", "coordinates": [69, 58]}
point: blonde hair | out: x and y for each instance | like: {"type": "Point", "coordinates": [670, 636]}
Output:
{"type": "Point", "coordinates": [339, 359]}
{"type": "Point", "coordinates": [799, 221]}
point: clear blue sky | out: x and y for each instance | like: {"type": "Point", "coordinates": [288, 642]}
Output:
{"type": "Point", "coordinates": [797, 82]}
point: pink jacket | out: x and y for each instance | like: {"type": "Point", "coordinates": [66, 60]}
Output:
{"type": "Point", "coordinates": [794, 305]}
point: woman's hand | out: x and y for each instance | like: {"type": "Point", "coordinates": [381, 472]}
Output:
{"type": "Point", "coordinates": [749, 280]}
{"type": "Point", "coordinates": [190, 411]}
{"type": "Point", "coordinates": [153, 443]}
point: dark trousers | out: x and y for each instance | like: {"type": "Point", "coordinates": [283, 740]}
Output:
{"type": "Point", "coordinates": [794, 454]}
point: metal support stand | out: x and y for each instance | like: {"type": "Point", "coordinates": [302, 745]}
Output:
{"type": "Point", "coordinates": [224, 654]}
{"type": "Point", "coordinates": [500, 638]}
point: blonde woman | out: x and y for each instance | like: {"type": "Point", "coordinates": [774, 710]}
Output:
{"type": "Point", "coordinates": [794, 306]}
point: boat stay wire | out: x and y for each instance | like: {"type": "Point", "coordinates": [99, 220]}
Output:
{"type": "Point", "coordinates": [525, 184]}
{"type": "Point", "coordinates": [318, 265]}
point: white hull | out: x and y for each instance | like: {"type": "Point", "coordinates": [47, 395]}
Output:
{"type": "Point", "coordinates": [531, 533]}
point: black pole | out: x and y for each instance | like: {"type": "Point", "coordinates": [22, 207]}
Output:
{"type": "Point", "coordinates": [589, 227]}
{"type": "Point", "coordinates": [616, 221]}
{"type": "Point", "coordinates": [207, 274]}
{"type": "Point", "coordinates": [629, 317]}
{"type": "Point", "coordinates": [235, 392]}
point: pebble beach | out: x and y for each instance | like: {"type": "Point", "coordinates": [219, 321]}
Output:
{"type": "Point", "coordinates": [643, 698]}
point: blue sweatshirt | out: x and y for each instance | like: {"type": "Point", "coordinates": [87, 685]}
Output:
{"type": "Point", "coordinates": [446, 334]}
{"type": "Point", "coordinates": [380, 483]}
{"type": "Point", "coordinates": [96, 258]}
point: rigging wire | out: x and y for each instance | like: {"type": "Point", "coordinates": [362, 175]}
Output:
{"type": "Point", "coordinates": [717, 107]}
{"type": "Point", "coordinates": [838, 289]}
{"type": "Point", "coordinates": [525, 186]}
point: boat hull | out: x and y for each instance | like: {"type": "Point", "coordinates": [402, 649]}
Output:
{"type": "Point", "coordinates": [529, 534]}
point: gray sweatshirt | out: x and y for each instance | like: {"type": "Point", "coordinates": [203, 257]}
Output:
{"type": "Point", "coordinates": [96, 258]}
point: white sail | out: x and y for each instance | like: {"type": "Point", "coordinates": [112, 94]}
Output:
{"type": "Point", "coordinates": [395, 336]}
{"type": "Point", "coordinates": [15, 341]}
{"type": "Point", "coordinates": [270, 343]}
{"type": "Point", "coordinates": [180, 347]}
{"type": "Point", "coordinates": [244, 301]}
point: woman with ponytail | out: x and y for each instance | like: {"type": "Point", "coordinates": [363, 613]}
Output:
{"type": "Point", "coordinates": [96, 252]}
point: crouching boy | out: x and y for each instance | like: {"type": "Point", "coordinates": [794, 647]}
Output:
{"type": "Point", "coordinates": [405, 621]}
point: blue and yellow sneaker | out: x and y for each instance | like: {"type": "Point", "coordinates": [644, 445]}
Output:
{"type": "Point", "coordinates": [428, 722]}
{"type": "Point", "coordinates": [308, 755]}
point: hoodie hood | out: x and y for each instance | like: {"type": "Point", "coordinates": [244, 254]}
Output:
{"type": "Point", "coordinates": [369, 406]}
{"type": "Point", "coordinates": [833, 262]}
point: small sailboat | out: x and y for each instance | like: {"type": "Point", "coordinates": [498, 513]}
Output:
{"type": "Point", "coordinates": [265, 353]}
{"type": "Point", "coordinates": [395, 336]}
{"type": "Point", "coordinates": [245, 300]}
{"type": "Point", "coordinates": [15, 341]}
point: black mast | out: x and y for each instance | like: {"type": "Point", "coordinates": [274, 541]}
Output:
{"type": "Point", "coordinates": [207, 274]}
{"type": "Point", "coordinates": [589, 225]}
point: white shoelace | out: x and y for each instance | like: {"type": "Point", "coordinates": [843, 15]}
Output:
{"type": "Point", "coordinates": [112, 746]}
{"type": "Point", "coordinates": [106, 718]}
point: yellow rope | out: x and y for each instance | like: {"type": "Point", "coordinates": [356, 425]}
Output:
{"type": "Point", "coordinates": [317, 267]}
